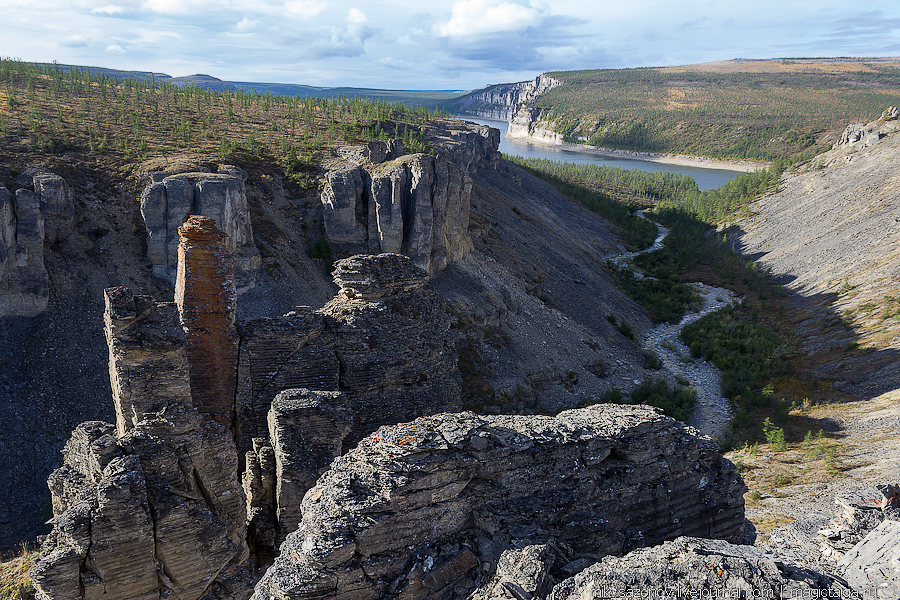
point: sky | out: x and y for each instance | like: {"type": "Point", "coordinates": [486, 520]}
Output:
{"type": "Point", "coordinates": [433, 44]}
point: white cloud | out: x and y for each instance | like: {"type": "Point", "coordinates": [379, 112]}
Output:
{"type": "Point", "coordinates": [115, 49]}
{"type": "Point", "coordinates": [356, 16]}
{"type": "Point", "coordinates": [479, 17]}
{"type": "Point", "coordinates": [109, 9]}
{"type": "Point", "coordinates": [75, 41]}
{"type": "Point", "coordinates": [245, 25]}
{"type": "Point", "coordinates": [305, 8]}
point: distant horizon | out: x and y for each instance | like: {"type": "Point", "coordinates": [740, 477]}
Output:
{"type": "Point", "coordinates": [440, 90]}
{"type": "Point", "coordinates": [446, 45]}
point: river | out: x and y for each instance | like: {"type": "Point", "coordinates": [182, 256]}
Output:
{"type": "Point", "coordinates": [706, 178]}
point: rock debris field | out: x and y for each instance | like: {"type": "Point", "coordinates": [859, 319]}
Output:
{"type": "Point", "coordinates": [713, 412]}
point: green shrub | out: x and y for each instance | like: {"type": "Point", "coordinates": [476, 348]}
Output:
{"type": "Point", "coordinates": [774, 435]}
{"type": "Point", "coordinates": [677, 402]}
{"type": "Point", "coordinates": [652, 361]}
{"type": "Point", "coordinates": [321, 250]}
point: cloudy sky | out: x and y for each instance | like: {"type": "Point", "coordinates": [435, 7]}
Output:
{"type": "Point", "coordinates": [422, 44]}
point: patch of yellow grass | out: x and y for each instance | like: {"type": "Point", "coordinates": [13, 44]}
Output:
{"type": "Point", "coordinates": [15, 583]}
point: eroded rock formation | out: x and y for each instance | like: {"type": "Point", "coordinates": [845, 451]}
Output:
{"type": "Point", "coordinates": [154, 513]}
{"type": "Point", "coordinates": [205, 295]}
{"type": "Point", "coordinates": [28, 219]}
{"type": "Point", "coordinates": [168, 200]}
{"type": "Point", "coordinates": [417, 507]}
{"type": "Point", "coordinates": [384, 341]}
{"type": "Point", "coordinates": [417, 204]}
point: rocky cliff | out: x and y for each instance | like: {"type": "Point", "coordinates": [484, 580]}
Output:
{"type": "Point", "coordinates": [502, 101]}
{"type": "Point", "coordinates": [29, 219]}
{"type": "Point", "coordinates": [425, 509]}
{"type": "Point", "coordinates": [168, 200]}
{"type": "Point", "coordinates": [830, 231]}
{"type": "Point", "coordinates": [415, 204]}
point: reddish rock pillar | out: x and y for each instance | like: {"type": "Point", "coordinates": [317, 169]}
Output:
{"type": "Point", "coordinates": [205, 295]}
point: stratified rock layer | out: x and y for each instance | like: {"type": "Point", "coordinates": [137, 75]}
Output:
{"type": "Point", "coordinates": [167, 203]}
{"type": "Point", "coordinates": [148, 366]}
{"type": "Point", "coordinates": [417, 205]}
{"type": "Point", "coordinates": [384, 341]}
{"type": "Point", "coordinates": [205, 295]}
{"type": "Point", "coordinates": [408, 511]}
{"type": "Point", "coordinates": [697, 568]}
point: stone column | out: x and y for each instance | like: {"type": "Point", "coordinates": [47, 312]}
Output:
{"type": "Point", "coordinates": [205, 295]}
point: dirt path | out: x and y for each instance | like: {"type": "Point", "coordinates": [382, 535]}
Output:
{"type": "Point", "coordinates": [713, 412]}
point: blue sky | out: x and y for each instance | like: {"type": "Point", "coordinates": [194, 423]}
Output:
{"type": "Point", "coordinates": [460, 44]}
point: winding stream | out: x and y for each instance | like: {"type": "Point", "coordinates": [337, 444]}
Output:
{"type": "Point", "coordinates": [712, 412]}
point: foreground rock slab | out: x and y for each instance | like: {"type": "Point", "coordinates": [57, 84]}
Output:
{"type": "Point", "coordinates": [695, 568]}
{"type": "Point", "coordinates": [872, 567]}
{"type": "Point", "coordinates": [425, 508]}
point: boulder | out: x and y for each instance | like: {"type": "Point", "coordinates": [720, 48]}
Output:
{"type": "Point", "coordinates": [402, 514]}
{"type": "Point", "coordinates": [697, 568]}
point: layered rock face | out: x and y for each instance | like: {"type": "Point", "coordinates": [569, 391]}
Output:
{"type": "Point", "coordinates": [154, 513]}
{"type": "Point", "coordinates": [152, 507]}
{"type": "Point", "coordinates": [379, 353]}
{"type": "Point", "coordinates": [502, 101]}
{"type": "Point", "coordinates": [417, 205]}
{"type": "Point", "coordinates": [148, 366]}
{"type": "Point", "coordinates": [166, 203]}
{"type": "Point", "coordinates": [384, 341]}
{"type": "Point", "coordinates": [28, 219]}
{"type": "Point", "coordinates": [206, 299]}
{"type": "Point", "coordinates": [416, 508]}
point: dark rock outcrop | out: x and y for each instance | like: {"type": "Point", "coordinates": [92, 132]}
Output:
{"type": "Point", "coordinates": [697, 568]}
{"type": "Point", "coordinates": [168, 201]}
{"type": "Point", "coordinates": [411, 509]}
{"type": "Point", "coordinates": [416, 204]}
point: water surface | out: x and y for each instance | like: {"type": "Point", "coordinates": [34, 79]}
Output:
{"type": "Point", "coordinates": [706, 178]}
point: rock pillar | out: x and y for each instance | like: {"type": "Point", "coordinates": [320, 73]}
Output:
{"type": "Point", "coordinates": [205, 295]}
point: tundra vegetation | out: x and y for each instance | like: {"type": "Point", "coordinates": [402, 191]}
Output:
{"type": "Point", "coordinates": [791, 112]}
{"type": "Point", "coordinates": [114, 124]}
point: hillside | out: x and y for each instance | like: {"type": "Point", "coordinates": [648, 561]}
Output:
{"type": "Point", "coordinates": [831, 234]}
{"type": "Point", "coordinates": [741, 109]}
{"type": "Point", "coordinates": [532, 261]}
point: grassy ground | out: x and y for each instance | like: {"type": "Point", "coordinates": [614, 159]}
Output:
{"type": "Point", "coordinates": [14, 581]}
